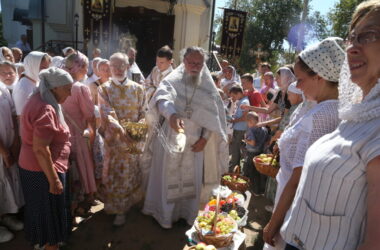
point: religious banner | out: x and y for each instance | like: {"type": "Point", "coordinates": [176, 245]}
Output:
{"type": "Point", "coordinates": [232, 33]}
{"type": "Point", "coordinates": [96, 20]}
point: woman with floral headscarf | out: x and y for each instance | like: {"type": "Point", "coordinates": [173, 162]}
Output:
{"type": "Point", "coordinates": [79, 115]}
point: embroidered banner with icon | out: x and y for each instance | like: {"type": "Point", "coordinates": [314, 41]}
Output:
{"type": "Point", "coordinates": [96, 18]}
{"type": "Point", "coordinates": [233, 32]}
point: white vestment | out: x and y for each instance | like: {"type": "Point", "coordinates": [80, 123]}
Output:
{"type": "Point", "coordinates": [193, 175]}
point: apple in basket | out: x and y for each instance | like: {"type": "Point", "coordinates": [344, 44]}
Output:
{"type": "Point", "coordinates": [203, 246]}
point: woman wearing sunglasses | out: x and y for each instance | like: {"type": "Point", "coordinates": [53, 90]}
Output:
{"type": "Point", "coordinates": [337, 205]}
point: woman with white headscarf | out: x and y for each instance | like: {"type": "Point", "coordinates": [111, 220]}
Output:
{"type": "Point", "coordinates": [284, 78]}
{"type": "Point", "coordinates": [317, 70]}
{"type": "Point", "coordinates": [34, 62]}
{"type": "Point", "coordinates": [337, 204]}
{"type": "Point", "coordinates": [44, 161]}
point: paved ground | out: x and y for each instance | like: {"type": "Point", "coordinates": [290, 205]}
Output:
{"type": "Point", "coordinates": [143, 233]}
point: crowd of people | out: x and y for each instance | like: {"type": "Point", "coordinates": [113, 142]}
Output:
{"type": "Point", "coordinates": [64, 146]}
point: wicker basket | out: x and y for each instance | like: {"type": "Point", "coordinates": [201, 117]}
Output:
{"type": "Point", "coordinates": [235, 186]}
{"type": "Point", "coordinates": [267, 168]}
{"type": "Point", "coordinates": [213, 239]}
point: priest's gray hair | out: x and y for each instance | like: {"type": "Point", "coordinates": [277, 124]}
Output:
{"type": "Point", "coordinates": [185, 52]}
{"type": "Point", "coordinates": [7, 63]}
{"type": "Point", "coordinates": [121, 56]}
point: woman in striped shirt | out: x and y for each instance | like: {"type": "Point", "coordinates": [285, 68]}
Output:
{"type": "Point", "coordinates": [337, 205]}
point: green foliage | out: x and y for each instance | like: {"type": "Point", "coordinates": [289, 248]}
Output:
{"type": "Point", "coordinates": [268, 23]}
{"type": "Point", "coordinates": [2, 40]}
{"type": "Point", "coordinates": [341, 15]}
{"type": "Point", "coordinates": [321, 26]}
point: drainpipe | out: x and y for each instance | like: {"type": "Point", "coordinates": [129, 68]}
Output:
{"type": "Point", "coordinates": [212, 26]}
{"type": "Point", "coordinates": [43, 24]}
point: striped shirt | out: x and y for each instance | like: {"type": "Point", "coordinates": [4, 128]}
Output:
{"type": "Point", "coordinates": [330, 207]}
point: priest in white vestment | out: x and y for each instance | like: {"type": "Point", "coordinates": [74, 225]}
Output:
{"type": "Point", "coordinates": [179, 183]}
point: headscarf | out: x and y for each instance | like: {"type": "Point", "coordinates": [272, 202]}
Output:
{"type": "Point", "coordinates": [32, 64]}
{"type": "Point", "coordinates": [79, 61]}
{"type": "Point", "coordinates": [57, 61]}
{"type": "Point", "coordinates": [66, 49]}
{"type": "Point", "coordinates": [287, 76]}
{"type": "Point", "coordinates": [293, 88]}
{"type": "Point", "coordinates": [2, 58]}
{"type": "Point", "coordinates": [325, 58]}
{"type": "Point", "coordinates": [49, 79]}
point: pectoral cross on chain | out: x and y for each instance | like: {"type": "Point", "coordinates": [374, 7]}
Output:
{"type": "Point", "coordinates": [188, 111]}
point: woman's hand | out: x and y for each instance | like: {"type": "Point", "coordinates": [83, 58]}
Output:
{"type": "Point", "coordinates": [269, 233]}
{"type": "Point", "coordinates": [55, 187]}
{"type": "Point", "coordinates": [8, 160]}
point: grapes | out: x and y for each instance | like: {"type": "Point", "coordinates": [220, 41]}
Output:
{"type": "Point", "coordinates": [240, 211]}
{"type": "Point", "coordinates": [224, 224]}
{"type": "Point", "coordinates": [227, 207]}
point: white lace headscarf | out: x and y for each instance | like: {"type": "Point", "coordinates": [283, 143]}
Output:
{"type": "Point", "coordinates": [32, 64]}
{"type": "Point", "coordinates": [287, 77]}
{"type": "Point", "coordinates": [49, 79]}
{"type": "Point", "coordinates": [352, 105]}
{"type": "Point", "coordinates": [57, 61]}
{"type": "Point", "coordinates": [2, 58]}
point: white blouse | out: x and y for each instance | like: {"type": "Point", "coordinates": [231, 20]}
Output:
{"type": "Point", "coordinates": [296, 139]}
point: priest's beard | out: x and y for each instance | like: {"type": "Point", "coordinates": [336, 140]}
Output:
{"type": "Point", "coordinates": [120, 78]}
{"type": "Point", "coordinates": [194, 80]}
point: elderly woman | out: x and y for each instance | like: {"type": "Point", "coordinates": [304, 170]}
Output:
{"type": "Point", "coordinates": [337, 205]}
{"type": "Point", "coordinates": [44, 161]}
{"type": "Point", "coordinates": [317, 70]}
{"type": "Point", "coordinates": [79, 114]}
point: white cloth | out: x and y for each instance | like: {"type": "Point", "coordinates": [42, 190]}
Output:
{"type": "Point", "coordinates": [212, 161]}
{"type": "Point", "coordinates": [325, 58]}
{"type": "Point", "coordinates": [134, 69]}
{"type": "Point", "coordinates": [91, 79]}
{"type": "Point", "coordinates": [293, 88]}
{"type": "Point", "coordinates": [32, 64]}
{"type": "Point", "coordinates": [21, 93]}
{"type": "Point", "coordinates": [10, 185]}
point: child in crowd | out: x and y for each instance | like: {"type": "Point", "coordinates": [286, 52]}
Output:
{"type": "Point", "coordinates": [239, 124]}
{"type": "Point", "coordinates": [255, 138]}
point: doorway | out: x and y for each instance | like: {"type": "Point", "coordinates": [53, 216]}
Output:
{"type": "Point", "coordinates": [146, 29]}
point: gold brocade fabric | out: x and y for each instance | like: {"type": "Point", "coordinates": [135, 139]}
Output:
{"type": "Point", "coordinates": [121, 173]}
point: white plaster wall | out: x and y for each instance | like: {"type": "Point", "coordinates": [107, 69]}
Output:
{"type": "Point", "coordinates": [12, 30]}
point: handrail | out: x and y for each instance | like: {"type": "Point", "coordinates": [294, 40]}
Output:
{"type": "Point", "coordinates": [60, 42]}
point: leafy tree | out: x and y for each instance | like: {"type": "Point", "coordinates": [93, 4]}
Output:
{"type": "Point", "coordinates": [268, 23]}
{"type": "Point", "coordinates": [341, 15]}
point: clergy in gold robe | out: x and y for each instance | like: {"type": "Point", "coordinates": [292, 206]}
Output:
{"type": "Point", "coordinates": [120, 99]}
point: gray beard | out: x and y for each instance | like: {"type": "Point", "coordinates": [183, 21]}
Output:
{"type": "Point", "coordinates": [191, 79]}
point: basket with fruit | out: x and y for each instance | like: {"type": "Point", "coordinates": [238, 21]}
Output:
{"type": "Point", "coordinates": [231, 205]}
{"type": "Point", "coordinates": [267, 164]}
{"type": "Point", "coordinates": [215, 228]}
{"type": "Point", "coordinates": [202, 246]}
{"type": "Point", "coordinates": [235, 181]}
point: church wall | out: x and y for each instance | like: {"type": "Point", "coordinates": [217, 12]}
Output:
{"type": "Point", "coordinates": [12, 30]}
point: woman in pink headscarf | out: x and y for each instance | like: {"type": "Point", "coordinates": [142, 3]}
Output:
{"type": "Point", "coordinates": [79, 115]}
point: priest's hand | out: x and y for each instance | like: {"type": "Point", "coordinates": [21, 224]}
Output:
{"type": "Point", "coordinates": [199, 145]}
{"type": "Point", "coordinates": [176, 123]}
